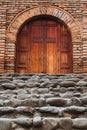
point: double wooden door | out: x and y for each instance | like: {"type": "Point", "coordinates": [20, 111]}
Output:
{"type": "Point", "coordinates": [44, 46]}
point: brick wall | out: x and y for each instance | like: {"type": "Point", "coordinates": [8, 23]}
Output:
{"type": "Point", "coordinates": [9, 10]}
{"type": "Point", "coordinates": [2, 35]}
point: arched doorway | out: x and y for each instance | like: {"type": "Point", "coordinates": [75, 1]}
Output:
{"type": "Point", "coordinates": [44, 45]}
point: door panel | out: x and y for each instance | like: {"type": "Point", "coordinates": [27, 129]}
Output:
{"type": "Point", "coordinates": [36, 48]}
{"type": "Point", "coordinates": [44, 45]}
{"type": "Point", "coordinates": [51, 47]}
{"type": "Point", "coordinates": [22, 53]}
{"type": "Point", "coordinates": [51, 59]}
{"type": "Point", "coordinates": [65, 51]}
{"type": "Point", "coordinates": [36, 63]}
{"type": "Point", "coordinates": [23, 43]}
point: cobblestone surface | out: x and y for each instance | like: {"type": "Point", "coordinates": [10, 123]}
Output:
{"type": "Point", "coordinates": [47, 102]}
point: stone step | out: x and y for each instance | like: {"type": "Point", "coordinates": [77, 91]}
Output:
{"type": "Point", "coordinates": [50, 111]}
{"type": "Point", "coordinates": [38, 123]}
{"type": "Point", "coordinates": [78, 92]}
{"type": "Point", "coordinates": [39, 100]}
{"type": "Point", "coordinates": [47, 102]}
{"type": "Point", "coordinates": [42, 81]}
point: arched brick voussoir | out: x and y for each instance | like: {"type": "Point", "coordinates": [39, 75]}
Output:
{"type": "Point", "coordinates": [36, 11]}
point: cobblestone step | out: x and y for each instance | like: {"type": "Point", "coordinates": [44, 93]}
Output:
{"type": "Point", "coordinates": [43, 123]}
{"type": "Point", "coordinates": [47, 102]}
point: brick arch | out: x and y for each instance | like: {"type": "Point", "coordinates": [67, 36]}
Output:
{"type": "Point", "coordinates": [21, 18]}
{"type": "Point", "coordinates": [53, 11]}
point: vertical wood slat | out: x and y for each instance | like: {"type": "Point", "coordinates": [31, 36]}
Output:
{"type": "Point", "coordinates": [36, 48]}
{"type": "Point", "coordinates": [51, 43]}
{"type": "Point", "coordinates": [22, 51]}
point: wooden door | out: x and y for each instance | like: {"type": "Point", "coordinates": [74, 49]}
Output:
{"type": "Point", "coordinates": [44, 46]}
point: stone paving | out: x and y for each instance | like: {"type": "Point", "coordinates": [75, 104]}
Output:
{"type": "Point", "coordinates": [43, 102]}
